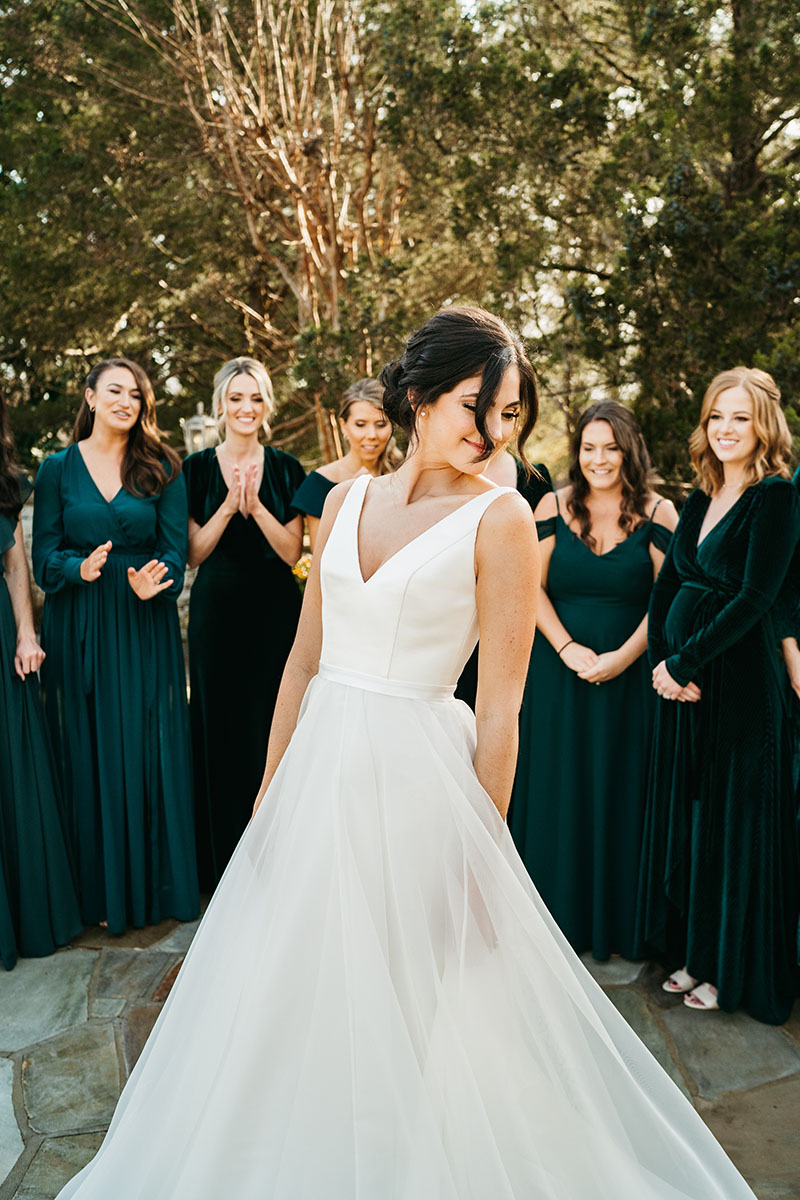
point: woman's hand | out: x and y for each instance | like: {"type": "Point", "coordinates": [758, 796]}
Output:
{"type": "Point", "coordinates": [29, 656]}
{"type": "Point", "coordinates": [578, 658]}
{"type": "Point", "coordinates": [93, 564]}
{"type": "Point", "coordinates": [606, 666]}
{"type": "Point", "coordinates": [251, 504]}
{"type": "Point", "coordinates": [791, 656]}
{"type": "Point", "coordinates": [149, 580]}
{"type": "Point", "coordinates": [668, 689]}
{"type": "Point", "coordinates": [233, 501]}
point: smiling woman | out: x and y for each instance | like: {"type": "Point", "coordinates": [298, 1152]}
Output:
{"type": "Point", "coordinates": [245, 536]}
{"type": "Point", "coordinates": [719, 897]}
{"type": "Point", "coordinates": [109, 550]}
{"type": "Point", "coordinates": [577, 818]}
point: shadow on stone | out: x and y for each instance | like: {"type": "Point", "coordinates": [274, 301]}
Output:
{"type": "Point", "coordinates": [614, 972]}
{"type": "Point", "coordinates": [139, 1022]}
{"type": "Point", "coordinates": [636, 1011]}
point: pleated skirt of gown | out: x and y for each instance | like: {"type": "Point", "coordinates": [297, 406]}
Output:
{"type": "Point", "coordinates": [378, 1005]}
{"type": "Point", "coordinates": [115, 696]}
{"type": "Point", "coordinates": [38, 901]}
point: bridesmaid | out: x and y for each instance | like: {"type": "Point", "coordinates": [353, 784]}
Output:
{"type": "Point", "coordinates": [38, 903]}
{"type": "Point", "coordinates": [109, 550]}
{"type": "Point", "coordinates": [370, 450]}
{"type": "Point", "coordinates": [719, 888]}
{"type": "Point", "coordinates": [245, 534]}
{"type": "Point", "coordinates": [578, 804]}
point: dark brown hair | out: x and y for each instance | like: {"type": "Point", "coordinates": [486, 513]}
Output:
{"type": "Point", "coordinates": [636, 473]}
{"type": "Point", "coordinates": [149, 463]}
{"type": "Point", "coordinates": [455, 344]}
{"type": "Point", "coordinates": [10, 497]}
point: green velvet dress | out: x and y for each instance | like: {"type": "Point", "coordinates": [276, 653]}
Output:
{"type": "Point", "coordinates": [243, 617]}
{"type": "Point", "coordinates": [578, 803]}
{"type": "Point", "coordinates": [115, 694]}
{"type": "Point", "coordinates": [719, 889]}
{"type": "Point", "coordinates": [38, 902]}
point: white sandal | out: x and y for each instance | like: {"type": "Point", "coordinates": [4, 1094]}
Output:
{"type": "Point", "coordinates": [679, 981]}
{"type": "Point", "coordinates": [702, 998]}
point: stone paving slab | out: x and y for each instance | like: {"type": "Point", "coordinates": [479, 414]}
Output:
{"type": "Point", "coordinates": [613, 973]}
{"type": "Point", "coordinates": [11, 1143]}
{"type": "Point", "coordinates": [55, 1163]}
{"type": "Point", "coordinates": [43, 996]}
{"type": "Point", "coordinates": [131, 975]}
{"type": "Point", "coordinates": [730, 1052]}
{"type": "Point", "coordinates": [760, 1129]}
{"type": "Point", "coordinates": [72, 1082]}
{"type": "Point", "coordinates": [179, 941]}
{"type": "Point", "coordinates": [647, 1025]}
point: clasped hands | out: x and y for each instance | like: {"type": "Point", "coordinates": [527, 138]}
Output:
{"type": "Point", "coordinates": [242, 495]}
{"type": "Point", "coordinates": [147, 582]}
{"type": "Point", "coordinates": [668, 689]}
{"type": "Point", "coordinates": [591, 667]}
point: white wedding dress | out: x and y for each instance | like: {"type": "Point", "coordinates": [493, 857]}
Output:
{"type": "Point", "coordinates": [377, 1005]}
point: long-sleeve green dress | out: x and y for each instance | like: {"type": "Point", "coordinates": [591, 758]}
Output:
{"type": "Point", "coordinates": [719, 887]}
{"type": "Point", "coordinates": [115, 694]}
{"type": "Point", "coordinates": [577, 808]}
{"type": "Point", "coordinates": [242, 621]}
{"type": "Point", "coordinates": [38, 903]}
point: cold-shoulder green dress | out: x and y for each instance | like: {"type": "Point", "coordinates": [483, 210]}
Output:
{"type": "Point", "coordinates": [115, 694]}
{"type": "Point", "coordinates": [38, 903]}
{"type": "Point", "coordinates": [577, 809]}
{"type": "Point", "coordinates": [719, 886]}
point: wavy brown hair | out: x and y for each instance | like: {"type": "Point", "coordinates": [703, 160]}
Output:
{"type": "Point", "coordinates": [773, 453]}
{"type": "Point", "coordinates": [371, 392]}
{"type": "Point", "coordinates": [636, 473]}
{"type": "Point", "coordinates": [9, 470]}
{"type": "Point", "coordinates": [149, 463]}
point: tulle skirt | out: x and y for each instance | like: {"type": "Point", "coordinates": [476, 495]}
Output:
{"type": "Point", "coordinates": [377, 1005]}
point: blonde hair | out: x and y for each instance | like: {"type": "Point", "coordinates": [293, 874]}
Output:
{"type": "Point", "coordinates": [774, 449]}
{"type": "Point", "coordinates": [222, 381]}
{"type": "Point", "coordinates": [372, 392]}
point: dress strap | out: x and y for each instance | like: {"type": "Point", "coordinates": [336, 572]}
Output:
{"type": "Point", "coordinates": [655, 507]}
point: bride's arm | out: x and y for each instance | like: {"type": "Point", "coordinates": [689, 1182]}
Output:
{"type": "Point", "coordinates": [303, 661]}
{"type": "Point", "coordinates": [507, 563]}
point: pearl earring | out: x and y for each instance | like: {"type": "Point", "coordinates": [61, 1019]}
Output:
{"type": "Point", "coordinates": [423, 413]}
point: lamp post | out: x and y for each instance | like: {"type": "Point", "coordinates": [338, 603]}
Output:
{"type": "Point", "coordinates": [200, 431]}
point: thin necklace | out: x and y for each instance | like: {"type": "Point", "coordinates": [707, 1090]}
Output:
{"type": "Point", "coordinates": [737, 486]}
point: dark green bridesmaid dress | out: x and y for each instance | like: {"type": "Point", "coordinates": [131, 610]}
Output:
{"type": "Point", "coordinates": [577, 808]}
{"type": "Point", "coordinates": [532, 487]}
{"type": "Point", "coordinates": [38, 902]}
{"type": "Point", "coordinates": [310, 497]}
{"type": "Point", "coordinates": [243, 617]}
{"type": "Point", "coordinates": [115, 694]}
{"type": "Point", "coordinates": [719, 889]}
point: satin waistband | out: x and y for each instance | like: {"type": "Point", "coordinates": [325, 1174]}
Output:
{"type": "Point", "coordinates": [387, 687]}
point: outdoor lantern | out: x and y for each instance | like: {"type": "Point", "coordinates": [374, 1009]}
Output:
{"type": "Point", "coordinates": [199, 431]}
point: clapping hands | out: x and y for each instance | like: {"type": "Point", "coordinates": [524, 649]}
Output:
{"type": "Point", "coordinates": [242, 494]}
{"type": "Point", "coordinates": [149, 580]}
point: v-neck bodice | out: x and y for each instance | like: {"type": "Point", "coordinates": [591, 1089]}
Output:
{"type": "Point", "coordinates": [415, 619]}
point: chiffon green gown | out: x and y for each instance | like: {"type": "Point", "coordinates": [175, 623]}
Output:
{"type": "Point", "coordinates": [577, 808]}
{"type": "Point", "coordinates": [115, 694]}
{"type": "Point", "coordinates": [38, 903]}
{"type": "Point", "coordinates": [720, 865]}
{"type": "Point", "coordinates": [243, 617]}
{"type": "Point", "coordinates": [311, 495]}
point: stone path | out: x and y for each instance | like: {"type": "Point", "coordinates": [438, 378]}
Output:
{"type": "Point", "coordinates": [73, 1025]}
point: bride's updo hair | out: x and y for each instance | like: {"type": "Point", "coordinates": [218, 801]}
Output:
{"type": "Point", "coordinates": [455, 344]}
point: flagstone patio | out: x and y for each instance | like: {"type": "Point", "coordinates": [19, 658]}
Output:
{"type": "Point", "coordinates": [73, 1025]}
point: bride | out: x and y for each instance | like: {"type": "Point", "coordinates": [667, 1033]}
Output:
{"type": "Point", "coordinates": [377, 1005]}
